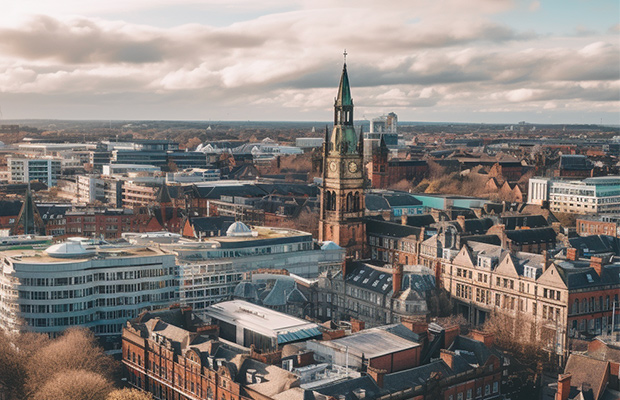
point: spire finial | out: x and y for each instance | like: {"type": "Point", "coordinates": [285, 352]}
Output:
{"type": "Point", "coordinates": [345, 55]}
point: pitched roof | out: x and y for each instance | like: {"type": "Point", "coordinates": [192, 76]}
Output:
{"type": "Point", "coordinates": [587, 370]}
{"type": "Point", "coordinates": [420, 220]}
{"type": "Point", "coordinates": [595, 244]}
{"type": "Point", "coordinates": [364, 275]}
{"type": "Point", "coordinates": [385, 228]}
{"type": "Point", "coordinates": [531, 221]}
{"type": "Point", "coordinates": [529, 236]}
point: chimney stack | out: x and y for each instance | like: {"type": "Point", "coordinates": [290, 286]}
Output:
{"type": "Point", "coordinates": [357, 325]}
{"type": "Point", "coordinates": [563, 387]}
{"type": "Point", "coordinates": [572, 254]}
{"type": "Point", "coordinates": [447, 356]}
{"type": "Point", "coordinates": [597, 264]}
{"type": "Point", "coordinates": [546, 261]}
{"type": "Point", "coordinates": [484, 337]}
{"type": "Point", "coordinates": [397, 279]}
{"type": "Point", "coordinates": [450, 334]}
{"type": "Point", "coordinates": [377, 375]}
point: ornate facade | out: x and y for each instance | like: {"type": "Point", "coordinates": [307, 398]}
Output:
{"type": "Point", "coordinates": [342, 192]}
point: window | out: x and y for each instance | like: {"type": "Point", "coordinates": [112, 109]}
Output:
{"type": "Point", "coordinates": [459, 396]}
{"type": "Point", "coordinates": [469, 394]}
{"type": "Point", "coordinates": [495, 387]}
{"type": "Point", "coordinates": [487, 390]}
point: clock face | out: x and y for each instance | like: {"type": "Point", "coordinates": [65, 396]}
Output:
{"type": "Point", "coordinates": [332, 165]}
{"type": "Point", "coordinates": [352, 166]}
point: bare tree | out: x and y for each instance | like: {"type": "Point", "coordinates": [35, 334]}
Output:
{"type": "Point", "coordinates": [129, 394]}
{"type": "Point", "coordinates": [12, 368]}
{"type": "Point", "coordinates": [74, 385]}
{"type": "Point", "coordinates": [76, 349]}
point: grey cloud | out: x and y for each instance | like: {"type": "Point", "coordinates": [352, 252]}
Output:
{"type": "Point", "coordinates": [84, 41]}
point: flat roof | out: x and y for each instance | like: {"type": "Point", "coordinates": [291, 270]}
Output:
{"type": "Point", "coordinates": [41, 256]}
{"type": "Point", "coordinates": [371, 343]}
{"type": "Point", "coordinates": [258, 319]}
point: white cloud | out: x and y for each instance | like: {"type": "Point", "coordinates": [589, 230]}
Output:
{"type": "Point", "coordinates": [441, 56]}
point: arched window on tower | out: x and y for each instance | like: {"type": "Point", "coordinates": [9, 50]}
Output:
{"type": "Point", "coordinates": [356, 205]}
{"type": "Point", "coordinates": [333, 201]}
{"type": "Point", "coordinates": [328, 201]}
{"type": "Point", "coordinates": [349, 202]}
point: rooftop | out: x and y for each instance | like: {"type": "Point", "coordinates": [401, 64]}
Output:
{"type": "Point", "coordinates": [260, 319]}
{"type": "Point", "coordinates": [374, 342]}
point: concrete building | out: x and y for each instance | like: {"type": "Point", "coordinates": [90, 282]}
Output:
{"type": "Point", "coordinates": [249, 324]}
{"type": "Point", "coordinates": [45, 169]}
{"type": "Point", "coordinates": [72, 284]}
{"type": "Point", "coordinates": [121, 169]}
{"type": "Point", "coordinates": [210, 269]}
{"type": "Point", "coordinates": [600, 195]}
{"type": "Point", "coordinates": [90, 188]}
{"type": "Point", "coordinates": [193, 175]}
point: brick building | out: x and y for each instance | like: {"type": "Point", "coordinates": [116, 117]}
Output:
{"type": "Point", "coordinates": [173, 356]}
{"type": "Point", "coordinates": [384, 173]}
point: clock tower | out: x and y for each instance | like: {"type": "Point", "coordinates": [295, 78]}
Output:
{"type": "Point", "coordinates": [342, 191]}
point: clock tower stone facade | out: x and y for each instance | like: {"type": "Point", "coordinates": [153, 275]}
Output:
{"type": "Point", "coordinates": [342, 191]}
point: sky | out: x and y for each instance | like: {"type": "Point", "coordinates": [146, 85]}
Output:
{"type": "Point", "coordinates": [487, 61]}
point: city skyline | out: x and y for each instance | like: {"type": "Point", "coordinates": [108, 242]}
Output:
{"type": "Point", "coordinates": [487, 61]}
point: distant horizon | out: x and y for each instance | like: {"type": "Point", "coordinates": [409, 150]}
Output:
{"type": "Point", "coordinates": [552, 61]}
{"type": "Point", "coordinates": [326, 122]}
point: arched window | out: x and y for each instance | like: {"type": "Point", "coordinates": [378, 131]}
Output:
{"type": "Point", "coordinates": [328, 201]}
{"type": "Point", "coordinates": [333, 201]}
{"type": "Point", "coordinates": [349, 202]}
{"type": "Point", "coordinates": [357, 201]}
{"type": "Point", "coordinates": [576, 306]}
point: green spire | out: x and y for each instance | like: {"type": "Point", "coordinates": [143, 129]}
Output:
{"type": "Point", "coordinates": [344, 91]}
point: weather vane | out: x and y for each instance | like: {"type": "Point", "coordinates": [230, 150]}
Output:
{"type": "Point", "coordinates": [345, 55]}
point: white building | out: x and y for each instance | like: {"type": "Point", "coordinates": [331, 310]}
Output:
{"type": "Point", "coordinates": [249, 324]}
{"type": "Point", "coordinates": [209, 270]}
{"type": "Point", "coordinates": [73, 284]}
{"type": "Point", "coordinates": [193, 175]}
{"type": "Point", "coordinates": [600, 195]}
{"type": "Point", "coordinates": [45, 169]}
{"type": "Point", "coordinates": [115, 169]}
{"type": "Point", "coordinates": [89, 189]}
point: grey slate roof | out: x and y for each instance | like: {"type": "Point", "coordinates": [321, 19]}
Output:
{"type": "Point", "coordinates": [363, 275]}
{"type": "Point", "coordinates": [530, 236]}
{"type": "Point", "coordinates": [385, 228]}
{"type": "Point", "coordinates": [595, 244]}
{"type": "Point", "coordinates": [531, 221]}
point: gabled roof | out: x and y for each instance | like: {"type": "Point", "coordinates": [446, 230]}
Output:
{"type": "Point", "coordinates": [587, 370]}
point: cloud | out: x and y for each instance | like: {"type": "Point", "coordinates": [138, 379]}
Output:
{"type": "Point", "coordinates": [435, 55]}
{"type": "Point", "coordinates": [534, 6]}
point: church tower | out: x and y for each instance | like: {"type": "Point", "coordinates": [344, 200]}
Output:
{"type": "Point", "coordinates": [342, 192]}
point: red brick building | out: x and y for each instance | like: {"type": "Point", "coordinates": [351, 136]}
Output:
{"type": "Point", "coordinates": [384, 173]}
{"type": "Point", "coordinates": [587, 227]}
{"type": "Point", "coordinates": [167, 354]}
